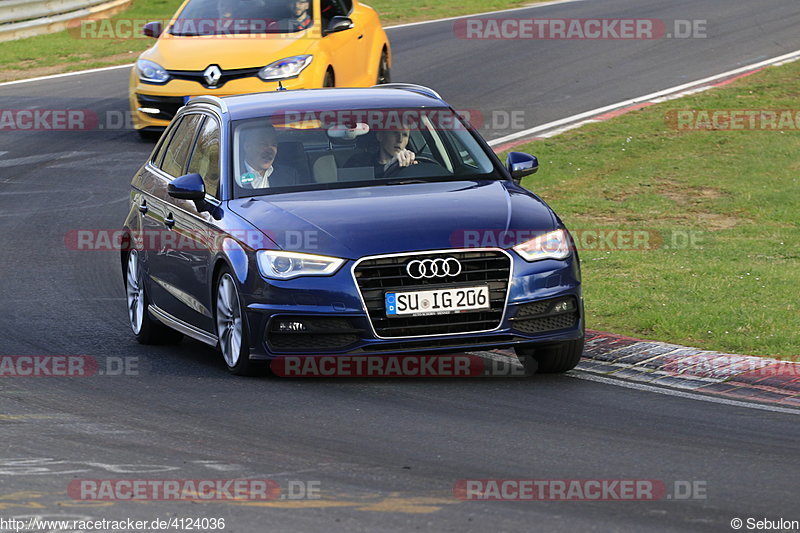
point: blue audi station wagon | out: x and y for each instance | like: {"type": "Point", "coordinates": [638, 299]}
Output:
{"type": "Point", "coordinates": [366, 221]}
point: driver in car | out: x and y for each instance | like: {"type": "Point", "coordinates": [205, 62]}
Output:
{"type": "Point", "coordinates": [302, 18]}
{"type": "Point", "coordinates": [391, 149]}
{"type": "Point", "coordinates": [260, 150]}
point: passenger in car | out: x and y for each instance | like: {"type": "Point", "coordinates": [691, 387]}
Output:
{"type": "Point", "coordinates": [391, 149]}
{"type": "Point", "coordinates": [260, 149]}
{"type": "Point", "coordinates": [226, 9]}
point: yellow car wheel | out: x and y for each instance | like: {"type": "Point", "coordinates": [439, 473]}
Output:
{"type": "Point", "coordinates": [329, 80]}
{"type": "Point", "coordinates": [384, 72]}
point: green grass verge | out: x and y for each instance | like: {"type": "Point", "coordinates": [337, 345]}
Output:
{"type": "Point", "coordinates": [737, 192]}
{"type": "Point", "coordinates": [65, 51]}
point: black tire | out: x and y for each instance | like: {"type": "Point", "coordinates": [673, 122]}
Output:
{"type": "Point", "coordinates": [149, 330]}
{"type": "Point", "coordinates": [529, 364]}
{"type": "Point", "coordinates": [551, 359]}
{"type": "Point", "coordinates": [384, 72]}
{"type": "Point", "coordinates": [238, 361]}
{"type": "Point", "coordinates": [329, 80]}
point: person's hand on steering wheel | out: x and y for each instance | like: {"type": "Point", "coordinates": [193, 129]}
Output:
{"type": "Point", "coordinates": [395, 164]}
{"type": "Point", "coordinates": [403, 158]}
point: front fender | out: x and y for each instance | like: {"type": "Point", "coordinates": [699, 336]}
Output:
{"type": "Point", "coordinates": [235, 256]}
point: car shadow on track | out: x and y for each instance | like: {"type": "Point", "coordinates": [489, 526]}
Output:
{"type": "Point", "coordinates": [193, 358]}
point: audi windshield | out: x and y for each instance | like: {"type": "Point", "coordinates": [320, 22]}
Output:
{"type": "Point", "coordinates": [355, 148]}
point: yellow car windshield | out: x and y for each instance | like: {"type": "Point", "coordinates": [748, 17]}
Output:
{"type": "Point", "coordinates": [235, 17]}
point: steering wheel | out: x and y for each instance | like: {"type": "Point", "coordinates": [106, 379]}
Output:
{"type": "Point", "coordinates": [395, 166]}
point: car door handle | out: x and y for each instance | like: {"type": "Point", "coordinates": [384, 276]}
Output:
{"type": "Point", "coordinates": [169, 221]}
{"type": "Point", "coordinates": [143, 208]}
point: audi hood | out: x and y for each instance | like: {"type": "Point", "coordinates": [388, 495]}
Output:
{"type": "Point", "coordinates": [357, 222]}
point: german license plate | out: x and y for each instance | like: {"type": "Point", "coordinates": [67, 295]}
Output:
{"type": "Point", "coordinates": [437, 302]}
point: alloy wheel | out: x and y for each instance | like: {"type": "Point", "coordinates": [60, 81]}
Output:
{"type": "Point", "coordinates": [135, 290]}
{"type": "Point", "coordinates": [229, 320]}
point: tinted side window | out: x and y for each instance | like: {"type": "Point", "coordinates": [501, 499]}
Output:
{"type": "Point", "coordinates": [158, 155]}
{"type": "Point", "coordinates": [334, 8]}
{"type": "Point", "coordinates": [179, 145]}
{"type": "Point", "coordinates": [205, 158]}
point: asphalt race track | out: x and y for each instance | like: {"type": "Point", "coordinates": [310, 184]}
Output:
{"type": "Point", "coordinates": [386, 453]}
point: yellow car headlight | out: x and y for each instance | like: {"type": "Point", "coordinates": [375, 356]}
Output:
{"type": "Point", "coordinates": [288, 67]}
{"type": "Point", "coordinates": [150, 72]}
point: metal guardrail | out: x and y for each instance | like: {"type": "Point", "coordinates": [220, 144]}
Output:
{"type": "Point", "coordinates": [26, 18]}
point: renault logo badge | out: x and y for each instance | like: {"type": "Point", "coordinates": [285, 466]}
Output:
{"type": "Point", "coordinates": [212, 75]}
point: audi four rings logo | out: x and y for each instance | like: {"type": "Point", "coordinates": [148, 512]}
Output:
{"type": "Point", "coordinates": [433, 268]}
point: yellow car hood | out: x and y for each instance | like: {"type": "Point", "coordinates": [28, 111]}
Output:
{"type": "Point", "coordinates": [228, 51]}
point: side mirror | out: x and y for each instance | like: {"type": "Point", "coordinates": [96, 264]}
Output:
{"type": "Point", "coordinates": [152, 29]}
{"type": "Point", "coordinates": [188, 187]}
{"type": "Point", "coordinates": [339, 23]}
{"type": "Point", "coordinates": [520, 164]}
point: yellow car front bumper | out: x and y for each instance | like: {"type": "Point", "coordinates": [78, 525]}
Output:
{"type": "Point", "coordinates": [153, 106]}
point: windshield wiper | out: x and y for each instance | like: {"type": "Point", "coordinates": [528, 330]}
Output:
{"type": "Point", "coordinates": [404, 182]}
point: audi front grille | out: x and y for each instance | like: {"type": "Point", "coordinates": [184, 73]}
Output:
{"type": "Point", "coordinates": [375, 276]}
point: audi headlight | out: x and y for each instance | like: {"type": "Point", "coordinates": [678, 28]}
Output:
{"type": "Point", "coordinates": [285, 68]}
{"type": "Point", "coordinates": [286, 265]}
{"type": "Point", "coordinates": [151, 72]}
{"type": "Point", "coordinates": [553, 245]}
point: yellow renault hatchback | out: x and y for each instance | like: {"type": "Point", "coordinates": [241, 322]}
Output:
{"type": "Point", "coordinates": [225, 47]}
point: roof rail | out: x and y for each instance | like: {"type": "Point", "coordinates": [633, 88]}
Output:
{"type": "Point", "coordinates": [215, 101]}
{"type": "Point", "coordinates": [413, 87]}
